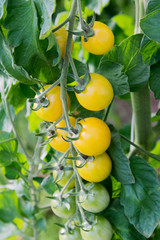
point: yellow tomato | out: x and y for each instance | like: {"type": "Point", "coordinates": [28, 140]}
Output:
{"type": "Point", "coordinates": [95, 137]}
{"type": "Point", "coordinates": [61, 37]}
{"type": "Point", "coordinates": [96, 170]}
{"type": "Point", "coordinates": [57, 142]}
{"type": "Point", "coordinates": [101, 42]}
{"type": "Point", "coordinates": [97, 95]}
{"type": "Point", "coordinates": [54, 110]}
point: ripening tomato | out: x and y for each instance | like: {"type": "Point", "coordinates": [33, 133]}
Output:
{"type": "Point", "coordinates": [61, 37]}
{"type": "Point", "coordinates": [63, 209]}
{"type": "Point", "coordinates": [101, 42]}
{"type": "Point", "coordinates": [97, 198]}
{"type": "Point", "coordinates": [75, 235]}
{"type": "Point", "coordinates": [95, 137]}
{"type": "Point", "coordinates": [97, 95]}
{"type": "Point", "coordinates": [54, 110]}
{"type": "Point", "coordinates": [96, 170]}
{"type": "Point", "coordinates": [102, 230]}
{"type": "Point", "coordinates": [66, 175]}
{"type": "Point", "coordinates": [57, 142]}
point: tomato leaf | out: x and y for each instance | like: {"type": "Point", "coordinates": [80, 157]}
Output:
{"type": "Point", "coordinates": [121, 165]}
{"type": "Point", "coordinates": [26, 208]}
{"type": "Point", "coordinates": [96, 6]}
{"type": "Point", "coordinates": [127, 54]}
{"type": "Point", "coordinates": [8, 230]}
{"type": "Point", "coordinates": [8, 149]}
{"type": "Point", "coordinates": [49, 185]}
{"type": "Point", "coordinates": [113, 72]}
{"type": "Point", "coordinates": [2, 3]}
{"type": "Point", "coordinates": [153, 5]}
{"type": "Point", "coordinates": [46, 9]}
{"type": "Point", "coordinates": [154, 80]}
{"type": "Point", "coordinates": [7, 62]}
{"type": "Point", "coordinates": [141, 200]}
{"type": "Point", "coordinates": [5, 124]}
{"type": "Point", "coordinates": [29, 51]}
{"type": "Point", "coordinates": [150, 25]}
{"type": "Point", "coordinates": [8, 205]}
{"type": "Point", "coordinates": [115, 214]}
{"type": "Point", "coordinates": [150, 51]}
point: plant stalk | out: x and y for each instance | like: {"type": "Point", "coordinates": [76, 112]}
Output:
{"type": "Point", "coordinates": [141, 100]}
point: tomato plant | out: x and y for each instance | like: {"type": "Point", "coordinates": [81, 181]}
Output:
{"type": "Point", "coordinates": [97, 95]}
{"type": "Point", "coordinates": [95, 137]}
{"type": "Point", "coordinates": [97, 198]}
{"type": "Point", "coordinates": [101, 230]}
{"type": "Point", "coordinates": [96, 170]}
{"type": "Point", "coordinates": [101, 42]}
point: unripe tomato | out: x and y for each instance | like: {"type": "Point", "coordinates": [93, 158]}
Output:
{"type": "Point", "coordinates": [97, 199]}
{"type": "Point", "coordinates": [102, 230]}
{"type": "Point", "coordinates": [66, 176]}
{"type": "Point", "coordinates": [97, 95]}
{"type": "Point", "coordinates": [75, 235]}
{"type": "Point", "coordinates": [57, 142]}
{"type": "Point", "coordinates": [95, 137]}
{"type": "Point", "coordinates": [101, 42]}
{"type": "Point", "coordinates": [54, 110]}
{"type": "Point", "coordinates": [61, 37]}
{"type": "Point", "coordinates": [96, 170]}
{"type": "Point", "coordinates": [62, 210]}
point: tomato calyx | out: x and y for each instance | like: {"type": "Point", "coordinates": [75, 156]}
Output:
{"type": "Point", "coordinates": [40, 100]}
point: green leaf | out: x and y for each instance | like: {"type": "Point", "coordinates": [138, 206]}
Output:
{"type": "Point", "coordinates": [46, 9]}
{"type": "Point", "coordinates": [5, 124]}
{"type": "Point", "coordinates": [150, 25]}
{"type": "Point", "coordinates": [8, 206]}
{"type": "Point", "coordinates": [141, 200]}
{"type": "Point", "coordinates": [121, 165]}
{"type": "Point", "coordinates": [49, 185]}
{"type": "Point", "coordinates": [120, 223]}
{"type": "Point", "coordinates": [7, 62]}
{"type": "Point", "coordinates": [150, 51]}
{"type": "Point", "coordinates": [8, 230]}
{"type": "Point", "coordinates": [96, 6]}
{"type": "Point", "coordinates": [26, 208]}
{"type": "Point", "coordinates": [153, 5]}
{"type": "Point", "coordinates": [126, 131]}
{"type": "Point", "coordinates": [8, 149]}
{"type": "Point", "coordinates": [113, 72]}
{"type": "Point", "coordinates": [2, 3]}
{"type": "Point", "coordinates": [154, 80]}
{"type": "Point", "coordinates": [125, 22]}
{"type": "Point", "coordinates": [12, 171]}
{"type": "Point", "coordinates": [41, 224]}
{"type": "Point", "coordinates": [22, 190]}
{"type": "Point", "coordinates": [16, 97]}
{"type": "Point", "coordinates": [127, 54]}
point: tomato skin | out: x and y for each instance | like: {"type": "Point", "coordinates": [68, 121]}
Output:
{"type": "Point", "coordinates": [74, 236]}
{"type": "Point", "coordinates": [54, 110]}
{"type": "Point", "coordinates": [57, 142]}
{"type": "Point", "coordinates": [96, 170]}
{"type": "Point", "coordinates": [97, 199]}
{"type": "Point", "coordinates": [62, 211]}
{"type": "Point", "coordinates": [61, 37]}
{"type": "Point", "coordinates": [97, 95]}
{"type": "Point", "coordinates": [101, 42]}
{"type": "Point", "coordinates": [95, 137]}
{"type": "Point", "coordinates": [102, 230]}
{"type": "Point", "coordinates": [66, 176]}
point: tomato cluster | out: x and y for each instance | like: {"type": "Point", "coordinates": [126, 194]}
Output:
{"type": "Point", "coordinates": [89, 137]}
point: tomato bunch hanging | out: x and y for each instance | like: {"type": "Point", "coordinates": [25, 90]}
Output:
{"type": "Point", "coordinates": [82, 142]}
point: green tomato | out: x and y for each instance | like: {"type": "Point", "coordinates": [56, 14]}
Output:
{"type": "Point", "coordinates": [62, 209]}
{"type": "Point", "coordinates": [102, 230]}
{"type": "Point", "coordinates": [75, 235]}
{"type": "Point", "coordinates": [97, 199]}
